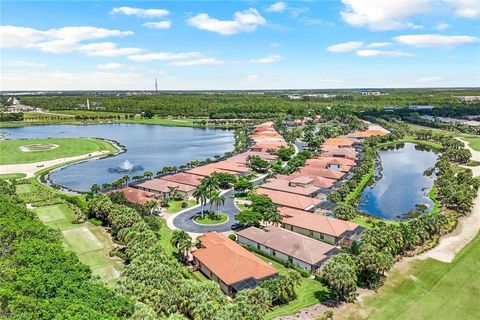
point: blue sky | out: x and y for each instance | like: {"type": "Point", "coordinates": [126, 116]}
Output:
{"type": "Point", "coordinates": [239, 44]}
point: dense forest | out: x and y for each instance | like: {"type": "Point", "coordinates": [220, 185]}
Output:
{"type": "Point", "coordinates": [244, 105]}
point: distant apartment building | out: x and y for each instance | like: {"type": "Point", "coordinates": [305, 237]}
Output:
{"type": "Point", "coordinates": [420, 107]}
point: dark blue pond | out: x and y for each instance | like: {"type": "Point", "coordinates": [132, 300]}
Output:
{"type": "Point", "coordinates": [149, 147]}
{"type": "Point", "coordinates": [400, 184]}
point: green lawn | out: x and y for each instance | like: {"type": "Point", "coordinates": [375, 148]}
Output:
{"type": "Point", "coordinates": [208, 220]}
{"type": "Point", "coordinates": [10, 152]}
{"type": "Point", "coordinates": [473, 142]}
{"type": "Point", "coordinates": [7, 176]}
{"type": "Point", "coordinates": [176, 206]}
{"type": "Point", "coordinates": [183, 122]}
{"type": "Point", "coordinates": [427, 289]}
{"type": "Point", "coordinates": [309, 292]}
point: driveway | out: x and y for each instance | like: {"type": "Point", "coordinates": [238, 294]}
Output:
{"type": "Point", "coordinates": [185, 222]}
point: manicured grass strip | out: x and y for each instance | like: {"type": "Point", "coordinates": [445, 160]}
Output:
{"type": "Point", "coordinates": [176, 206]}
{"type": "Point", "coordinates": [209, 221]}
{"type": "Point", "coordinates": [428, 289]}
{"type": "Point", "coordinates": [10, 152]}
{"type": "Point", "coordinates": [162, 121]}
{"type": "Point", "coordinates": [24, 188]}
{"type": "Point", "coordinates": [473, 142]}
{"type": "Point", "coordinates": [12, 176]}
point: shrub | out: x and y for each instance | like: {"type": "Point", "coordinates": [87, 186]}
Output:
{"type": "Point", "coordinates": [232, 236]}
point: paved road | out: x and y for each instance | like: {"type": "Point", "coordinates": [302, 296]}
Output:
{"type": "Point", "coordinates": [300, 145]}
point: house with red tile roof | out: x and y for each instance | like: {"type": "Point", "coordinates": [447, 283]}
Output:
{"type": "Point", "coordinates": [320, 182]}
{"type": "Point", "coordinates": [304, 252]}
{"type": "Point", "coordinates": [347, 153]}
{"type": "Point", "coordinates": [138, 196]}
{"type": "Point", "coordinates": [242, 157]}
{"type": "Point", "coordinates": [184, 178]}
{"type": "Point", "coordinates": [339, 142]}
{"type": "Point", "coordinates": [226, 262]}
{"type": "Point", "coordinates": [324, 173]}
{"type": "Point", "coordinates": [234, 167]}
{"type": "Point", "coordinates": [207, 170]}
{"type": "Point", "coordinates": [163, 187]}
{"type": "Point", "coordinates": [340, 164]}
{"type": "Point", "coordinates": [304, 189]}
{"type": "Point", "coordinates": [320, 227]}
{"type": "Point", "coordinates": [290, 199]}
{"type": "Point", "coordinates": [267, 145]}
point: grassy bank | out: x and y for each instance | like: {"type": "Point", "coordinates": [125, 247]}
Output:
{"type": "Point", "coordinates": [426, 289]}
{"type": "Point", "coordinates": [49, 149]}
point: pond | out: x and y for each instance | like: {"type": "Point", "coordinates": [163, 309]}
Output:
{"type": "Point", "coordinates": [149, 147]}
{"type": "Point", "coordinates": [400, 186]}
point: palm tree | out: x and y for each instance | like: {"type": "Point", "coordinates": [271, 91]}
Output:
{"type": "Point", "coordinates": [126, 178]}
{"type": "Point", "coordinates": [106, 186]}
{"type": "Point", "coordinates": [148, 174]}
{"type": "Point", "coordinates": [183, 242]}
{"type": "Point", "coordinates": [173, 192]}
{"type": "Point", "coordinates": [95, 188]}
{"type": "Point", "coordinates": [217, 200]}
{"type": "Point", "coordinates": [151, 205]}
{"type": "Point", "coordinates": [200, 195]}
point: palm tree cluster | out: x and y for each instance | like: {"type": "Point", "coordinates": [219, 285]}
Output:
{"type": "Point", "coordinates": [161, 286]}
{"type": "Point", "coordinates": [261, 209]}
{"type": "Point", "coordinates": [209, 191]}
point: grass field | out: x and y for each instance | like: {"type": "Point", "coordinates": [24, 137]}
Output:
{"type": "Point", "coordinates": [91, 243]}
{"type": "Point", "coordinates": [427, 289]}
{"type": "Point", "coordinates": [10, 152]}
{"type": "Point", "coordinates": [162, 121]}
{"type": "Point", "coordinates": [12, 176]}
{"type": "Point", "coordinates": [176, 206]}
{"type": "Point", "coordinates": [473, 142]}
{"type": "Point", "coordinates": [309, 292]}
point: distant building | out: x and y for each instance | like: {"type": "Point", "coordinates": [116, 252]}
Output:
{"type": "Point", "coordinates": [420, 107]}
{"type": "Point", "coordinates": [468, 98]}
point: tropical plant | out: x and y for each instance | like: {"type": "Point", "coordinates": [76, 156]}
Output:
{"type": "Point", "coordinates": [182, 241]}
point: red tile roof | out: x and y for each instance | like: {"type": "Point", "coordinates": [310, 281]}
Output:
{"type": "Point", "coordinates": [208, 170]}
{"type": "Point", "coordinates": [242, 157]}
{"type": "Point", "coordinates": [338, 142]}
{"type": "Point", "coordinates": [265, 145]}
{"type": "Point", "coordinates": [320, 182]}
{"type": "Point", "coordinates": [284, 185]}
{"type": "Point", "coordinates": [229, 261]}
{"type": "Point", "coordinates": [160, 185]}
{"type": "Point", "coordinates": [231, 166]}
{"type": "Point", "coordinates": [289, 199]}
{"type": "Point", "coordinates": [324, 173]}
{"type": "Point", "coordinates": [184, 178]}
{"type": "Point", "coordinates": [137, 196]}
{"type": "Point", "coordinates": [295, 245]}
{"type": "Point", "coordinates": [316, 222]}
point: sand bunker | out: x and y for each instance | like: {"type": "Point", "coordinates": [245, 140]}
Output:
{"type": "Point", "coordinates": [36, 147]}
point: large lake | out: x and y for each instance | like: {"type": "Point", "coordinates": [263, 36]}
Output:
{"type": "Point", "coordinates": [401, 184]}
{"type": "Point", "coordinates": [149, 146]}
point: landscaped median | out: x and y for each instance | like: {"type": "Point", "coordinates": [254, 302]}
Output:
{"type": "Point", "coordinates": [211, 218]}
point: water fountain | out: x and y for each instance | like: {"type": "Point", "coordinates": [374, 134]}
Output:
{"type": "Point", "coordinates": [126, 166]}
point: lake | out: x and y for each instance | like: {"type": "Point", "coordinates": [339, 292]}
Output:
{"type": "Point", "coordinates": [149, 147]}
{"type": "Point", "coordinates": [399, 184]}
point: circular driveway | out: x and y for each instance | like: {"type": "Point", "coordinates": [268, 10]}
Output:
{"type": "Point", "coordinates": [185, 221]}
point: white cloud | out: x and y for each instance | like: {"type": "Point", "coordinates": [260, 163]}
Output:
{"type": "Point", "coordinates": [23, 63]}
{"type": "Point", "coordinates": [345, 46]}
{"type": "Point", "coordinates": [243, 21]}
{"type": "Point", "coordinates": [267, 59]}
{"type": "Point", "coordinates": [164, 56]}
{"type": "Point", "coordinates": [435, 40]}
{"type": "Point", "coordinates": [442, 26]}
{"type": "Point", "coordinates": [110, 66]}
{"type": "Point", "coordinates": [106, 49]}
{"type": "Point", "coordinates": [142, 13]}
{"type": "Point", "coordinates": [158, 25]}
{"type": "Point", "coordinates": [197, 62]}
{"type": "Point", "coordinates": [380, 53]}
{"type": "Point", "coordinates": [430, 79]}
{"type": "Point", "coordinates": [60, 40]}
{"type": "Point", "coordinates": [465, 8]}
{"type": "Point", "coordinates": [378, 44]}
{"type": "Point", "coordinates": [252, 77]}
{"type": "Point", "coordinates": [277, 7]}
{"type": "Point", "coordinates": [383, 14]}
